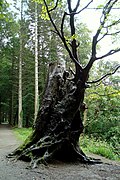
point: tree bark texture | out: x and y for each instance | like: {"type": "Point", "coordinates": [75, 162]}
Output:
{"type": "Point", "coordinates": [58, 124]}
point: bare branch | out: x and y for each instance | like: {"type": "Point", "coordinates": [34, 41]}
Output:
{"type": "Point", "coordinates": [69, 6]}
{"type": "Point", "coordinates": [48, 12]}
{"type": "Point", "coordinates": [108, 26]}
{"type": "Point", "coordinates": [77, 5]}
{"type": "Point", "coordinates": [106, 10]}
{"type": "Point", "coordinates": [70, 53]}
{"type": "Point", "coordinates": [65, 43]}
{"type": "Point", "coordinates": [111, 52]}
{"type": "Point", "coordinates": [108, 34]}
{"type": "Point", "coordinates": [85, 7]}
{"type": "Point", "coordinates": [108, 74]}
{"type": "Point", "coordinates": [62, 24]}
{"type": "Point", "coordinates": [117, 32]}
{"type": "Point", "coordinates": [103, 35]}
{"type": "Point", "coordinates": [74, 11]}
{"type": "Point", "coordinates": [114, 23]}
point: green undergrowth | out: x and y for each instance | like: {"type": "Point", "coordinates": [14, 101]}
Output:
{"type": "Point", "coordinates": [22, 133]}
{"type": "Point", "coordinates": [88, 145]}
{"type": "Point", "coordinates": [96, 146]}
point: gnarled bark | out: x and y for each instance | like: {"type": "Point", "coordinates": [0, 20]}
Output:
{"type": "Point", "coordinates": [58, 125]}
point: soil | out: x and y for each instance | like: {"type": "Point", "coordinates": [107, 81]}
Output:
{"type": "Point", "coordinates": [11, 170]}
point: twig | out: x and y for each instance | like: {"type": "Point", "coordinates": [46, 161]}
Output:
{"type": "Point", "coordinates": [54, 6]}
{"type": "Point", "coordinates": [111, 52]}
{"type": "Point", "coordinates": [108, 74]}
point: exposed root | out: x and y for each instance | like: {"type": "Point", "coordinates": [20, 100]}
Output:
{"type": "Point", "coordinates": [49, 147]}
{"type": "Point", "coordinates": [61, 146]}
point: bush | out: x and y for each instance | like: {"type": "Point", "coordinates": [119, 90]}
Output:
{"type": "Point", "coordinates": [103, 115]}
{"type": "Point", "coordinates": [99, 147]}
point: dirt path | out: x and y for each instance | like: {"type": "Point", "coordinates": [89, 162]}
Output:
{"type": "Point", "coordinates": [109, 170]}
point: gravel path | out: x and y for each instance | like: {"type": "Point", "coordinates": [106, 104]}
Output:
{"type": "Point", "coordinates": [109, 170]}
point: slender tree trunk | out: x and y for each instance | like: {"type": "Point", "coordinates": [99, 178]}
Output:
{"type": "Point", "coordinates": [20, 112]}
{"type": "Point", "coordinates": [36, 64]}
{"type": "Point", "coordinates": [11, 114]}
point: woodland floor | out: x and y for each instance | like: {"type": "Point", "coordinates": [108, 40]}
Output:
{"type": "Point", "coordinates": [108, 170]}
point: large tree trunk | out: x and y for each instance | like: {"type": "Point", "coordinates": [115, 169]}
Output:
{"type": "Point", "coordinates": [58, 124]}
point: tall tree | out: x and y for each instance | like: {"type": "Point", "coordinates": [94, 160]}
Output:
{"type": "Point", "coordinates": [36, 63]}
{"type": "Point", "coordinates": [59, 123]}
{"type": "Point", "coordinates": [20, 111]}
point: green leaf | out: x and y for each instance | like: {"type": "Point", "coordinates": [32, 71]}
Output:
{"type": "Point", "coordinates": [100, 6]}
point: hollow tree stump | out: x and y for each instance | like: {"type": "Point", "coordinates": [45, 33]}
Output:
{"type": "Point", "coordinates": [59, 124]}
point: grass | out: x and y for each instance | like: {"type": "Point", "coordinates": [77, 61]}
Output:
{"type": "Point", "coordinates": [96, 146]}
{"type": "Point", "coordinates": [22, 133]}
{"type": "Point", "coordinates": [89, 145]}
